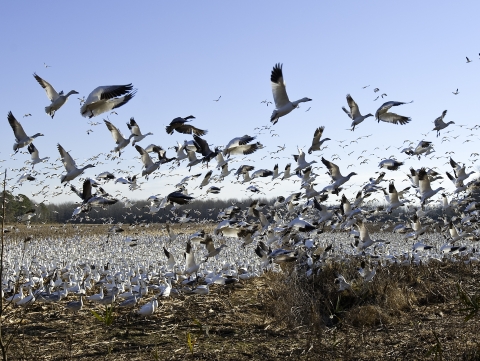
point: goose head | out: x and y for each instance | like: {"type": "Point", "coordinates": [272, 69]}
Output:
{"type": "Point", "coordinates": [37, 135]}
{"type": "Point", "coordinates": [369, 115]}
{"type": "Point", "coordinates": [71, 92]}
{"type": "Point", "coordinates": [88, 166]}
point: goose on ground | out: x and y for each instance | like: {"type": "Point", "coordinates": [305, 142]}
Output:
{"type": "Point", "coordinates": [35, 155]}
{"type": "Point", "coordinates": [135, 130]}
{"type": "Point", "coordinates": [57, 99]}
{"type": "Point", "coordinates": [316, 142]}
{"type": "Point", "coordinates": [70, 166]}
{"type": "Point", "coordinates": [21, 138]}
{"type": "Point", "coordinates": [179, 124]}
{"type": "Point", "coordinates": [118, 137]}
{"type": "Point", "coordinates": [106, 98]}
{"type": "Point", "coordinates": [334, 172]}
{"type": "Point", "coordinates": [440, 124]}
{"type": "Point", "coordinates": [282, 104]}
{"type": "Point", "coordinates": [426, 191]}
{"type": "Point", "coordinates": [383, 115]}
{"type": "Point", "coordinates": [354, 113]}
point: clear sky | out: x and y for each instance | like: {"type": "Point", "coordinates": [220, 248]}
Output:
{"type": "Point", "coordinates": [182, 55]}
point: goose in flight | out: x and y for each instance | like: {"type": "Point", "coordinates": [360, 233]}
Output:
{"type": "Point", "coordinates": [35, 155]}
{"type": "Point", "coordinates": [118, 137]}
{"type": "Point", "coordinates": [354, 112]}
{"type": "Point", "coordinates": [422, 147]}
{"type": "Point", "coordinates": [57, 99]}
{"type": "Point", "coordinates": [135, 130]}
{"type": "Point", "coordinates": [334, 172]}
{"type": "Point", "coordinates": [301, 162]}
{"type": "Point", "coordinates": [383, 115]}
{"type": "Point", "coordinates": [426, 190]}
{"type": "Point", "coordinates": [440, 124]}
{"type": "Point", "coordinates": [148, 164]}
{"type": "Point", "coordinates": [390, 164]}
{"type": "Point", "coordinates": [468, 60]}
{"type": "Point", "coordinates": [393, 199]}
{"type": "Point", "coordinates": [282, 104]}
{"type": "Point", "coordinates": [239, 145]}
{"type": "Point", "coordinates": [21, 138]}
{"type": "Point", "coordinates": [106, 98]}
{"type": "Point", "coordinates": [178, 198]}
{"type": "Point", "coordinates": [205, 150]}
{"type": "Point", "coordinates": [70, 166]}
{"type": "Point", "coordinates": [179, 124]}
{"type": "Point", "coordinates": [316, 142]}
{"type": "Point", "coordinates": [460, 174]}
{"type": "Point", "coordinates": [98, 200]}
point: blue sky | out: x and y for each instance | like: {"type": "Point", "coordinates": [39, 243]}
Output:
{"type": "Point", "coordinates": [182, 55]}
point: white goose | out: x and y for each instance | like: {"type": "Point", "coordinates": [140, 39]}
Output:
{"type": "Point", "coordinates": [21, 138]}
{"type": "Point", "coordinates": [282, 103]}
{"type": "Point", "coordinates": [118, 137]}
{"type": "Point", "coordinates": [459, 170]}
{"type": "Point", "coordinates": [35, 155]}
{"type": "Point", "coordinates": [426, 191]}
{"type": "Point", "coordinates": [70, 166]}
{"type": "Point", "coordinates": [135, 130]}
{"type": "Point", "coordinates": [301, 162]}
{"type": "Point", "coordinates": [440, 124]}
{"type": "Point", "coordinates": [393, 199]}
{"type": "Point", "coordinates": [148, 164]}
{"type": "Point", "coordinates": [337, 177]}
{"type": "Point", "coordinates": [354, 112]}
{"type": "Point", "coordinates": [105, 98]}
{"type": "Point", "coordinates": [57, 99]}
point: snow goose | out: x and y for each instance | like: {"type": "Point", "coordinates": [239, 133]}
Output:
{"type": "Point", "coordinates": [57, 99]}
{"type": "Point", "coordinates": [300, 159]}
{"type": "Point", "coordinates": [135, 130]}
{"type": "Point", "coordinates": [75, 306]}
{"type": "Point", "coordinates": [316, 142]}
{"type": "Point", "coordinates": [149, 308]}
{"type": "Point", "coordinates": [192, 159]}
{"type": "Point", "coordinates": [393, 199]}
{"type": "Point", "coordinates": [21, 138]}
{"type": "Point", "coordinates": [354, 112]}
{"type": "Point", "coordinates": [70, 166]}
{"type": "Point", "coordinates": [440, 124]}
{"type": "Point", "coordinates": [421, 148]}
{"type": "Point", "coordinates": [179, 125]}
{"type": "Point", "coordinates": [180, 149]}
{"type": "Point", "coordinates": [100, 199]}
{"type": "Point", "coordinates": [239, 145]}
{"type": "Point", "coordinates": [364, 237]}
{"type": "Point", "coordinates": [334, 172]}
{"type": "Point", "coordinates": [455, 233]}
{"type": "Point", "coordinates": [190, 265]}
{"type": "Point", "coordinates": [206, 179]}
{"type": "Point", "coordinates": [426, 191]}
{"type": "Point", "coordinates": [179, 198]}
{"type": "Point", "coordinates": [282, 104]}
{"type": "Point", "coordinates": [459, 170]}
{"type": "Point", "coordinates": [35, 155]}
{"type": "Point", "coordinates": [118, 137]}
{"type": "Point", "coordinates": [105, 98]}
{"type": "Point", "coordinates": [286, 173]}
{"type": "Point", "coordinates": [148, 164]}
{"type": "Point", "coordinates": [390, 164]}
{"type": "Point", "coordinates": [460, 186]}
{"type": "Point", "coordinates": [225, 171]}
{"type": "Point", "coordinates": [210, 246]}
{"type": "Point", "coordinates": [383, 115]}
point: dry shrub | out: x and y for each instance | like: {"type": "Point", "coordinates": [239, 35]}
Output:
{"type": "Point", "coordinates": [293, 300]}
{"type": "Point", "coordinates": [368, 316]}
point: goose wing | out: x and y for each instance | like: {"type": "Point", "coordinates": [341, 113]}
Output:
{"type": "Point", "coordinates": [51, 92]}
{"type": "Point", "coordinates": [203, 145]}
{"type": "Point", "coordinates": [317, 135]}
{"type": "Point", "coordinates": [333, 169]}
{"type": "Point", "coordinates": [87, 190]}
{"type": "Point", "coordinates": [133, 126]}
{"type": "Point", "coordinates": [17, 127]}
{"type": "Point", "coordinates": [146, 160]}
{"type": "Point", "coordinates": [392, 193]}
{"type": "Point", "coordinates": [385, 106]}
{"type": "Point", "coordinates": [424, 182]}
{"type": "Point", "coordinates": [354, 111]}
{"type": "Point", "coordinates": [394, 118]}
{"type": "Point", "coordinates": [347, 112]}
{"type": "Point", "coordinates": [278, 87]}
{"type": "Point", "coordinates": [106, 92]}
{"type": "Point", "coordinates": [67, 159]}
{"type": "Point", "coordinates": [190, 129]}
{"type": "Point", "coordinates": [33, 151]}
{"type": "Point", "coordinates": [117, 136]}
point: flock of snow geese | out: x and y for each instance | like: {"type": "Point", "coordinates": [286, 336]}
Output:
{"type": "Point", "coordinates": [305, 227]}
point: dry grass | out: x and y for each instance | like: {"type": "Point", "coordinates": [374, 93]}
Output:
{"type": "Point", "coordinates": [405, 313]}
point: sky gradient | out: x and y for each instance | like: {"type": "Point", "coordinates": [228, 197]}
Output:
{"type": "Point", "coordinates": [183, 55]}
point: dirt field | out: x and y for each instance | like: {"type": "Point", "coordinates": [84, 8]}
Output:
{"type": "Point", "coordinates": [406, 313]}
